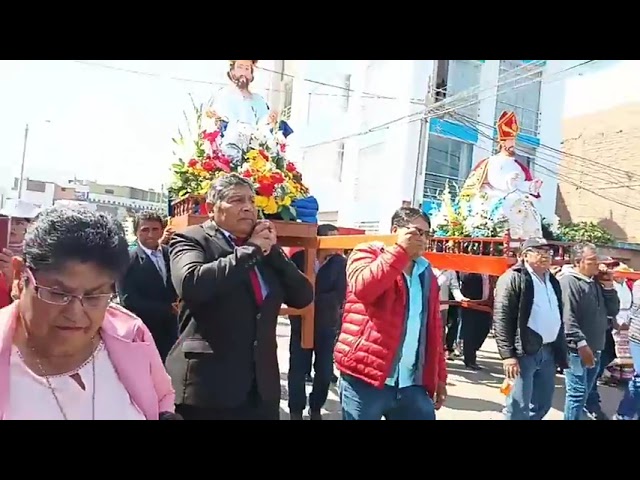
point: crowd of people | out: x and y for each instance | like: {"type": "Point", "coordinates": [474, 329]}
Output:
{"type": "Point", "coordinates": [183, 325]}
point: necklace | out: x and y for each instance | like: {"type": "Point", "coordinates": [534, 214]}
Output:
{"type": "Point", "coordinates": [47, 379]}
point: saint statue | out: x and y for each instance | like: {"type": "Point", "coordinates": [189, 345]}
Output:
{"type": "Point", "coordinates": [501, 186]}
{"type": "Point", "coordinates": [235, 102]}
{"type": "Point", "coordinates": [240, 112]}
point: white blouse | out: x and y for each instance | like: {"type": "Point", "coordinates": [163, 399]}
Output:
{"type": "Point", "coordinates": [31, 399]}
{"type": "Point", "coordinates": [626, 300]}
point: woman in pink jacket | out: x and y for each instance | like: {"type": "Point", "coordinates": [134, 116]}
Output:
{"type": "Point", "coordinates": [66, 352]}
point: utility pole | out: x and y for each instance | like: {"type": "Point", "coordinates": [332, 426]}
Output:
{"type": "Point", "coordinates": [24, 156]}
{"type": "Point", "coordinates": [429, 100]}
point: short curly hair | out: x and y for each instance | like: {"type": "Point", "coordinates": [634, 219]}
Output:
{"type": "Point", "coordinates": [60, 235]}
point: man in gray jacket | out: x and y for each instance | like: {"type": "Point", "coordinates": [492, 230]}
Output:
{"type": "Point", "coordinates": [588, 298]}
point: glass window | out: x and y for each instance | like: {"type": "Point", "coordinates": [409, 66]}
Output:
{"type": "Point", "coordinates": [447, 160]}
{"type": "Point", "coordinates": [521, 96]}
{"type": "Point", "coordinates": [464, 75]}
{"type": "Point", "coordinates": [368, 181]}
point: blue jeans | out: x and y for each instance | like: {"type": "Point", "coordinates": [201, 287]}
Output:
{"type": "Point", "coordinates": [361, 401]}
{"type": "Point", "coordinates": [607, 356]}
{"type": "Point", "coordinates": [299, 361]}
{"type": "Point", "coordinates": [532, 393]}
{"type": "Point", "coordinates": [630, 404]}
{"type": "Point", "coordinates": [579, 380]}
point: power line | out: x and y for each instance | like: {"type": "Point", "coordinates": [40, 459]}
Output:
{"type": "Point", "coordinates": [558, 160]}
{"type": "Point", "coordinates": [432, 111]}
{"type": "Point", "coordinates": [627, 173]}
{"type": "Point", "coordinates": [552, 174]}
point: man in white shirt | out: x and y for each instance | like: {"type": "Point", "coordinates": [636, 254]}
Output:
{"type": "Point", "coordinates": [529, 331]}
{"type": "Point", "coordinates": [449, 287]}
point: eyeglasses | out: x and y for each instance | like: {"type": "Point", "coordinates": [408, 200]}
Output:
{"type": "Point", "coordinates": [543, 252]}
{"type": "Point", "coordinates": [53, 297]}
{"type": "Point", "coordinates": [421, 232]}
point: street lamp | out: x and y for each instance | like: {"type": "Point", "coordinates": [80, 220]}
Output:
{"type": "Point", "coordinates": [24, 156]}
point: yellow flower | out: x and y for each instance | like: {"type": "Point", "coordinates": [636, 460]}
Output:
{"type": "Point", "coordinates": [271, 207]}
{"type": "Point", "coordinates": [261, 202]}
{"type": "Point", "coordinates": [286, 201]}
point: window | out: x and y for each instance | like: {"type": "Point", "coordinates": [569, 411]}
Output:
{"type": "Point", "coordinates": [36, 186]}
{"type": "Point", "coordinates": [368, 182]}
{"type": "Point", "coordinates": [464, 75]}
{"type": "Point", "coordinates": [380, 79]}
{"type": "Point", "coordinates": [447, 160]}
{"type": "Point", "coordinates": [522, 95]}
{"type": "Point", "coordinates": [327, 109]}
{"type": "Point", "coordinates": [288, 97]}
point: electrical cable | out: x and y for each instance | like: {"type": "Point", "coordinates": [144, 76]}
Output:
{"type": "Point", "coordinates": [559, 176]}
{"type": "Point", "coordinates": [555, 160]}
{"type": "Point", "coordinates": [428, 111]}
{"type": "Point", "coordinates": [629, 174]}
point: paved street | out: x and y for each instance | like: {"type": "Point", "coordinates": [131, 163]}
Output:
{"type": "Point", "coordinates": [472, 395]}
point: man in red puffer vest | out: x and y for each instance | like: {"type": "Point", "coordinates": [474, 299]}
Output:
{"type": "Point", "coordinates": [390, 349]}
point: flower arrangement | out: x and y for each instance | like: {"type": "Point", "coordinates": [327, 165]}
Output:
{"type": "Point", "coordinates": [454, 218]}
{"type": "Point", "coordinates": [215, 147]}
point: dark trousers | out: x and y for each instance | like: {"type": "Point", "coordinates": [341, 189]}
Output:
{"type": "Point", "coordinates": [254, 408]}
{"type": "Point", "coordinates": [300, 359]}
{"type": "Point", "coordinates": [453, 328]}
{"type": "Point", "coordinates": [476, 326]}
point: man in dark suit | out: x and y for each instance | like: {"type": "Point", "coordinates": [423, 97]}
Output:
{"type": "Point", "coordinates": [476, 324]}
{"type": "Point", "coordinates": [146, 288]}
{"type": "Point", "coordinates": [330, 293]}
{"type": "Point", "coordinates": [232, 279]}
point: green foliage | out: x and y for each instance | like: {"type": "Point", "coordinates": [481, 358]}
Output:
{"type": "Point", "coordinates": [585, 232]}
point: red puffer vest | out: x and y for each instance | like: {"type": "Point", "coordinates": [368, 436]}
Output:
{"type": "Point", "coordinates": [374, 317]}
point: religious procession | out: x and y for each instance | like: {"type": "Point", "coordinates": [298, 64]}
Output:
{"type": "Point", "coordinates": [183, 323]}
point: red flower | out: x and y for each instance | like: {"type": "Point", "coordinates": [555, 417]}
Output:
{"type": "Point", "coordinates": [291, 168]}
{"type": "Point", "coordinates": [264, 154]}
{"type": "Point", "coordinates": [266, 189]}
{"type": "Point", "coordinates": [283, 148]}
{"type": "Point", "coordinates": [211, 137]}
{"type": "Point", "coordinates": [277, 177]}
{"type": "Point", "coordinates": [208, 165]}
{"type": "Point", "coordinates": [192, 163]}
{"type": "Point", "coordinates": [223, 163]}
{"type": "Point", "coordinates": [247, 174]}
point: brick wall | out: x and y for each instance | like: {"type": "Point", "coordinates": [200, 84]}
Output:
{"type": "Point", "coordinates": [612, 139]}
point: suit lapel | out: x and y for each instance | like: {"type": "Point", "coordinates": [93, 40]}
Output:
{"type": "Point", "coordinates": [146, 263]}
{"type": "Point", "coordinates": [226, 248]}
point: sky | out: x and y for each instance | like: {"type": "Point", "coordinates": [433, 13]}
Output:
{"type": "Point", "coordinates": [616, 83]}
{"type": "Point", "coordinates": [116, 126]}
{"type": "Point", "coordinates": [104, 124]}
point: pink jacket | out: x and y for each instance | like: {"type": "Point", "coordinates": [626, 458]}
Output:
{"type": "Point", "coordinates": [131, 349]}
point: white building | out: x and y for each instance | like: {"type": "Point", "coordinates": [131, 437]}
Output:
{"type": "Point", "coordinates": [366, 177]}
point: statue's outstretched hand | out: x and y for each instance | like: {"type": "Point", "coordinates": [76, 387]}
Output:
{"type": "Point", "coordinates": [536, 186]}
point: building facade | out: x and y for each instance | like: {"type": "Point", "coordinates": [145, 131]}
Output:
{"type": "Point", "coordinates": [119, 201]}
{"type": "Point", "coordinates": [358, 128]}
{"type": "Point", "coordinates": [600, 171]}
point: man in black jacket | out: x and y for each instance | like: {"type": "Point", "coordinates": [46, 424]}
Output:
{"type": "Point", "coordinates": [476, 324]}
{"type": "Point", "coordinates": [529, 332]}
{"type": "Point", "coordinates": [232, 279]}
{"type": "Point", "coordinates": [146, 287]}
{"type": "Point", "coordinates": [330, 292]}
